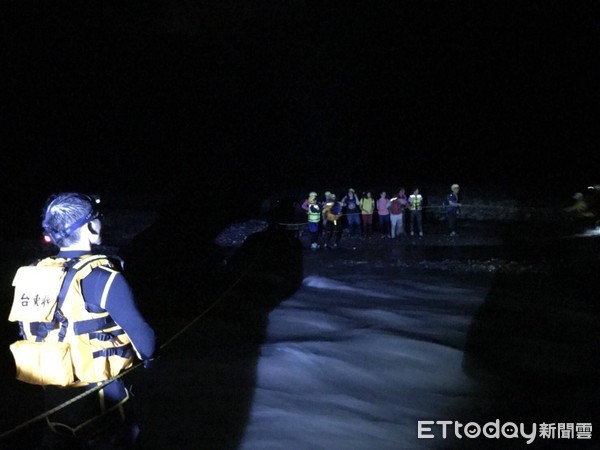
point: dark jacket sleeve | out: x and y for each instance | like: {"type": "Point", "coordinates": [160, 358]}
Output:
{"type": "Point", "coordinates": [120, 304]}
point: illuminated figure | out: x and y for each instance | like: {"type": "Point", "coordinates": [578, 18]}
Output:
{"type": "Point", "coordinates": [580, 207]}
{"type": "Point", "coordinates": [397, 206]}
{"type": "Point", "coordinates": [367, 207]}
{"type": "Point", "coordinates": [452, 209]}
{"type": "Point", "coordinates": [383, 214]}
{"type": "Point", "coordinates": [326, 199]}
{"type": "Point", "coordinates": [313, 211]}
{"type": "Point", "coordinates": [582, 212]}
{"type": "Point", "coordinates": [351, 203]}
{"type": "Point", "coordinates": [79, 326]}
{"type": "Point", "coordinates": [332, 212]}
{"type": "Point", "coordinates": [415, 205]}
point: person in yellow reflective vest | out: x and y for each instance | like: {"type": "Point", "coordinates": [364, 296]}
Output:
{"type": "Point", "coordinates": [313, 211]}
{"type": "Point", "coordinates": [415, 206]}
{"type": "Point", "coordinates": [579, 207]}
{"type": "Point", "coordinates": [80, 327]}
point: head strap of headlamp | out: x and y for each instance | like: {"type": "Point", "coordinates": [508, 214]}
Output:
{"type": "Point", "coordinates": [58, 235]}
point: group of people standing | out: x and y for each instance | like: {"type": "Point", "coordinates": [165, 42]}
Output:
{"type": "Point", "coordinates": [325, 216]}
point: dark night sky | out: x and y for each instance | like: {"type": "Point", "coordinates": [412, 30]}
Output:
{"type": "Point", "coordinates": [263, 95]}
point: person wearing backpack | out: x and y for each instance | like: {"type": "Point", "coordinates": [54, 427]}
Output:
{"type": "Point", "coordinates": [332, 212]}
{"type": "Point", "coordinates": [397, 206]}
{"type": "Point", "coordinates": [80, 327]}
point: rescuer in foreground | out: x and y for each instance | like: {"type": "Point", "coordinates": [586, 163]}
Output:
{"type": "Point", "coordinates": [79, 327]}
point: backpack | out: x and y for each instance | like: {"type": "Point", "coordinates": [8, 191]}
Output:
{"type": "Point", "coordinates": [336, 209]}
{"type": "Point", "coordinates": [395, 207]}
{"type": "Point", "coordinates": [62, 342]}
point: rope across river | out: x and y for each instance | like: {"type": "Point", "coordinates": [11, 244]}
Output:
{"type": "Point", "coordinates": [103, 384]}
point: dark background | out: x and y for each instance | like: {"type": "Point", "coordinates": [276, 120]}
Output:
{"type": "Point", "coordinates": [212, 100]}
{"type": "Point", "coordinates": [215, 105]}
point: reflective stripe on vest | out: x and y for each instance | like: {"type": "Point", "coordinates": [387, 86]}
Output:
{"type": "Point", "coordinates": [314, 213]}
{"type": "Point", "coordinates": [415, 202]}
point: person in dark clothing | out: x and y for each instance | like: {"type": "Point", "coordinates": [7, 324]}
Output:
{"type": "Point", "coordinates": [351, 204]}
{"type": "Point", "coordinates": [332, 212]}
{"type": "Point", "coordinates": [452, 209]}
